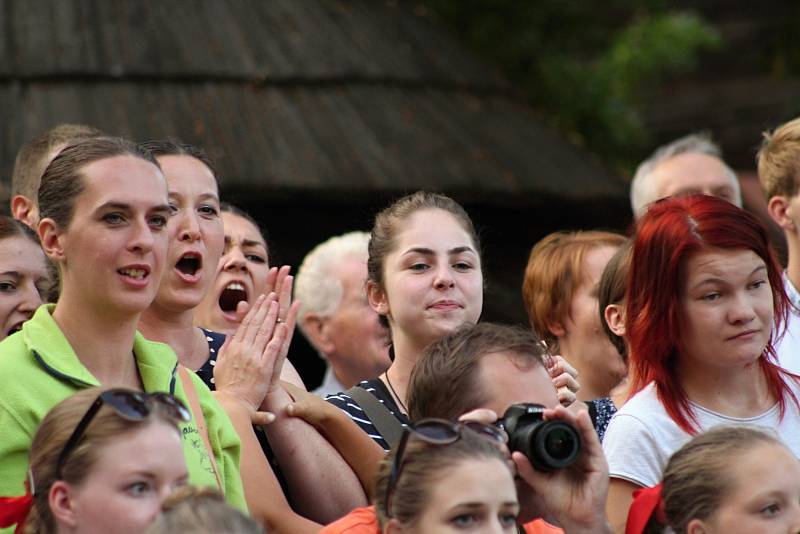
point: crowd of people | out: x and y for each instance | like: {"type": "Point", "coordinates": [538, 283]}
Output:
{"type": "Point", "coordinates": [147, 387]}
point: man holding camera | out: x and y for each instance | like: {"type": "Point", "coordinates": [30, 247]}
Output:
{"type": "Point", "coordinates": [475, 374]}
{"type": "Point", "coordinates": [483, 370]}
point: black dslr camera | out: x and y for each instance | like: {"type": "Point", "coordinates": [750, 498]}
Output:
{"type": "Point", "coordinates": [549, 445]}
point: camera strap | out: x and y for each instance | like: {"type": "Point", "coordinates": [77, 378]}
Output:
{"type": "Point", "coordinates": [385, 423]}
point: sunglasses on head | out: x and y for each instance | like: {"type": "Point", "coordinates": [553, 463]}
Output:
{"type": "Point", "coordinates": [128, 404]}
{"type": "Point", "coordinates": [435, 432]}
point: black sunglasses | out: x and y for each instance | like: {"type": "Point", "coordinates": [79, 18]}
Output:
{"type": "Point", "coordinates": [128, 404]}
{"type": "Point", "coordinates": [435, 432]}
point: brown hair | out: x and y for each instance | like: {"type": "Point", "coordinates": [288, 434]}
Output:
{"type": "Point", "coordinates": [696, 478]}
{"type": "Point", "coordinates": [779, 160]}
{"type": "Point", "coordinates": [554, 272]}
{"type": "Point", "coordinates": [611, 290]}
{"type": "Point", "coordinates": [33, 157]}
{"type": "Point", "coordinates": [53, 433]}
{"type": "Point", "coordinates": [10, 227]}
{"type": "Point", "coordinates": [201, 511]}
{"type": "Point", "coordinates": [386, 228]}
{"type": "Point", "coordinates": [445, 383]}
{"type": "Point", "coordinates": [227, 207]}
{"type": "Point", "coordinates": [174, 147]}
{"type": "Point", "coordinates": [62, 180]}
{"type": "Point", "coordinates": [423, 466]}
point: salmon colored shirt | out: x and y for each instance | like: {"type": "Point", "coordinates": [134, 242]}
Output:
{"type": "Point", "coordinates": [364, 521]}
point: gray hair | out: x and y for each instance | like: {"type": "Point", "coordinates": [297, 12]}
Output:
{"type": "Point", "coordinates": [315, 285]}
{"type": "Point", "coordinates": [642, 187]}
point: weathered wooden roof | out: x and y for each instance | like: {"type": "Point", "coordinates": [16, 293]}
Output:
{"type": "Point", "coordinates": [295, 95]}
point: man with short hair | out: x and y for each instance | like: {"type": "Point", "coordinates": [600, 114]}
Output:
{"type": "Point", "coordinates": [335, 315]}
{"type": "Point", "coordinates": [779, 176]}
{"type": "Point", "coordinates": [490, 367]}
{"type": "Point", "coordinates": [691, 164]}
{"type": "Point", "coordinates": [31, 162]}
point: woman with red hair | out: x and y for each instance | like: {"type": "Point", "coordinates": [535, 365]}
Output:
{"type": "Point", "coordinates": [705, 301]}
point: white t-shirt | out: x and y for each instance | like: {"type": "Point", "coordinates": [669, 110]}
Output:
{"type": "Point", "coordinates": [788, 346]}
{"type": "Point", "coordinates": [641, 436]}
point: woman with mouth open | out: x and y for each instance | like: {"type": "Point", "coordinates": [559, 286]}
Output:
{"type": "Point", "coordinates": [104, 212]}
{"type": "Point", "coordinates": [24, 276]}
{"type": "Point", "coordinates": [192, 259]}
{"type": "Point", "coordinates": [241, 274]}
{"type": "Point", "coordinates": [705, 302]}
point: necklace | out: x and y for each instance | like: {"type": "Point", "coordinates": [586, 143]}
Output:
{"type": "Point", "coordinates": [394, 393]}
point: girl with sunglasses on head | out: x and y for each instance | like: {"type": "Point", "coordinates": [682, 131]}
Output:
{"type": "Point", "coordinates": [442, 477]}
{"type": "Point", "coordinates": [102, 461]}
{"type": "Point", "coordinates": [104, 211]}
{"type": "Point", "coordinates": [704, 302]}
{"type": "Point", "coordinates": [24, 276]}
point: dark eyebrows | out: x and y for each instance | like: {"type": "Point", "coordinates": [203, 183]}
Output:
{"type": "Point", "coordinates": [246, 242]}
{"type": "Point", "coordinates": [161, 208]}
{"type": "Point", "coordinates": [115, 206]}
{"type": "Point", "coordinates": [15, 274]}
{"type": "Point", "coordinates": [720, 280]}
{"type": "Point", "coordinates": [253, 243]}
{"type": "Point", "coordinates": [429, 252]}
{"type": "Point", "coordinates": [127, 207]}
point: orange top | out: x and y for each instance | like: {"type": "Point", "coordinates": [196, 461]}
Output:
{"type": "Point", "coordinates": [364, 521]}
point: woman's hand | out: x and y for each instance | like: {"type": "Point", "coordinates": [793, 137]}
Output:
{"type": "Point", "coordinates": [287, 319]}
{"type": "Point", "coordinates": [565, 379]}
{"type": "Point", "coordinates": [287, 310]}
{"type": "Point", "coordinates": [246, 363]}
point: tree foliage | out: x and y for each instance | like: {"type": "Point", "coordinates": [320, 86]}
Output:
{"type": "Point", "coordinates": [588, 67]}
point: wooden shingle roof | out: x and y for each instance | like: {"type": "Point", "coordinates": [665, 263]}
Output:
{"type": "Point", "coordinates": [292, 95]}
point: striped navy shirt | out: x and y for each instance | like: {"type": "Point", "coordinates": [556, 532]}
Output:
{"type": "Point", "coordinates": [378, 390]}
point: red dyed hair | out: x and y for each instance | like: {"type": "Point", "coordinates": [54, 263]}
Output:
{"type": "Point", "coordinates": [666, 236]}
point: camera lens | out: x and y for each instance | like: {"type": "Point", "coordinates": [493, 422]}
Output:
{"type": "Point", "coordinates": [556, 445]}
{"type": "Point", "coordinates": [559, 443]}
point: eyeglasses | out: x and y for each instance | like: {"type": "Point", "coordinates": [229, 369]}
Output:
{"type": "Point", "coordinates": [435, 432]}
{"type": "Point", "coordinates": [128, 404]}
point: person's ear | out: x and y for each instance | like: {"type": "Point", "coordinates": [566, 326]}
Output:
{"type": "Point", "coordinates": [615, 318]}
{"type": "Point", "coordinates": [52, 239]}
{"type": "Point", "coordinates": [62, 505]}
{"type": "Point", "coordinates": [316, 328]}
{"type": "Point", "coordinates": [696, 526]}
{"type": "Point", "coordinates": [23, 209]}
{"type": "Point", "coordinates": [377, 298]}
{"type": "Point", "coordinates": [779, 210]}
{"type": "Point", "coordinates": [557, 329]}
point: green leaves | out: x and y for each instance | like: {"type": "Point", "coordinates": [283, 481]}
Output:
{"type": "Point", "coordinates": [588, 68]}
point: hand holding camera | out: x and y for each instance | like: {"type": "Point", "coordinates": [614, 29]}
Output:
{"type": "Point", "coordinates": [549, 445]}
{"type": "Point", "coordinates": [563, 472]}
